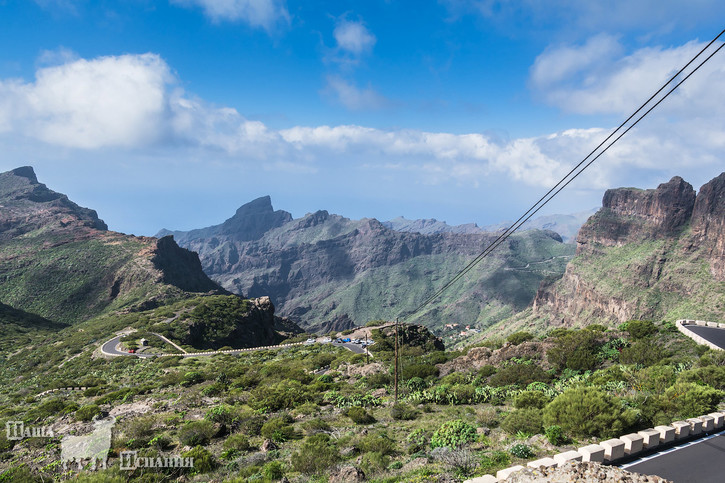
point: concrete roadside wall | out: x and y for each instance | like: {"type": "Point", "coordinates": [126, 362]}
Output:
{"type": "Point", "coordinates": [627, 446]}
{"type": "Point", "coordinates": [682, 327]}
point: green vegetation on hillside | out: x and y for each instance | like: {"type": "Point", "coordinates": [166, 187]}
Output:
{"type": "Point", "coordinates": [322, 406]}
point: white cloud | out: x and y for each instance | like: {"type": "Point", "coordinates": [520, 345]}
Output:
{"type": "Point", "coordinates": [134, 102]}
{"type": "Point", "coordinates": [353, 97]}
{"type": "Point", "coordinates": [354, 37]}
{"type": "Point", "coordinates": [257, 13]}
{"type": "Point", "coordinates": [591, 79]}
{"type": "Point", "coordinates": [109, 101]}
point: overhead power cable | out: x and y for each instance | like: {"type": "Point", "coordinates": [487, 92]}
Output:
{"type": "Point", "coordinates": [575, 171]}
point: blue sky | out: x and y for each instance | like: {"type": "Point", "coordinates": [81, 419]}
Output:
{"type": "Point", "coordinates": [173, 113]}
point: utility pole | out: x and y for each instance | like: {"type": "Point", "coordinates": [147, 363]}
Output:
{"type": "Point", "coordinates": [367, 351]}
{"type": "Point", "coordinates": [396, 360]}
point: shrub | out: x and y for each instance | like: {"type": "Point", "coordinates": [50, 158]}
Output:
{"type": "Point", "coordinates": [282, 395]}
{"type": "Point", "coordinates": [203, 459]}
{"type": "Point", "coordinates": [521, 374]}
{"type": "Point", "coordinates": [221, 414]}
{"type": "Point", "coordinates": [359, 415]}
{"type": "Point", "coordinates": [526, 420]}
{"type": "Point", "coordinates": [689, 400]}
{"type": "Point", "coordinates": [522, 451]}
{"type": "Point", "coordinates": [486, 371]}
{"type": "Point", "coordinates": [417, 441]}
{"type": "Point", "coordinates": [422, 370]}
{"type": "Point", "coordinates": [710, 375]}
{"type": "Point", "coordinates": [196, 433]}
{"type": "Point", "coordinates": [237, 442]}
{"type": "Point", "coordinates": [575, 350]}
{"type": "Point", "coordinates": [555, 435]}
{"type": "Point", "coordinates": [518, 337]}
{"type": "Point", "coordinates": [377, 442]}
{"type": "Point", "coordinates": [273, 470]}
{"type": "Point", "coordinates": [495, 460]}
{"type": "Point", "coordinates": [643, 352]}
{"type": "Point", "coordinates": [588, 411]}
{"type": "Point", "coordinates": [250, 423]}
{"type": "Point", "coordinates": [402, 411]}
{"type": "Point", "coordinates": [140, 430]}
{"type": "Point", "coordinates": [315, 455]}
{"type": "Point", "coordinates": [639, 329]}
{"type": "Point", "coordinates": [453, 434]}
{"type": "Point", "coordinates": [531, 399]}
{"type": "Point", "coordinates": [314, 426]}
{"type": "Point", "coordinates": [279, 429]}
{"type": "Point", "coordinates": [86, 413]}
{"type": "Point", "coordinates": [191, 378]}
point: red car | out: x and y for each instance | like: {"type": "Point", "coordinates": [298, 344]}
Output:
{"type": "Point", "coordinates": [132, 351]}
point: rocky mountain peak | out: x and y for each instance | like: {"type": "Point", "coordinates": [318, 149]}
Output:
{"type": "Point", "coordinates": [27, 205]}
{"type": "Point", "coordinates": [25, 172]}
{"type": "Point", "coordinates": [669, 206]}
{"type": "Point", "coordinates": [252, 220]}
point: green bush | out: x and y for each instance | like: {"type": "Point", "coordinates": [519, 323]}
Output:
{"type": "Point", "coordinates": [86, 413]}
{"type": "Point", "coordinates": [555, 435]}
{"type": "Point", "coordinates": [486, 371]}
{"type": "Point", "coordinates": [522, 451]}
{"type": "Point", "coordinates": [710, 375]}
{"type": "Point", "coordinates": [203, 459]}
{"type": "Point", "coordinates": [518, 337]}
{"type": "Point", "coordinates": [237, 442]}
{"type": "Point", "coordinates": [359, 415]}
{"type": "Point", "coordinates": [314, 426]}
{"type": "Point", "coordinates": [588, 411]}
{"type": "Point", "coordinates": [417, 440]}
{"type": "Point", "coordinates": [273, 470]}
{"type": "Point", "coordinates": [196, 433]}
{"type": "Point", "coordinates": [285, 394]}
{"type": "Point", "coordinates": [495, 460]}
{"type": "Point", "coordinates": [140, 430]}
{"type": "Point", "coordinates": [377, 442]}
{"type": "Point", "coordinates": [689, 400]}
{"type": "Point", "coordinates": [644, 352]}
{"type": "Point", "coordinates": [279, 429]}
{"type": "Point", "coordinates": [575, 350]}
{"type": "Point", "coordinates": [521, 374]}
{"type": "Point", "coordinates": [453, 434]}
{"type": "Point", "coordinates": [531, 399]}
{"type": "Point", "coordinates": [250, 423]}
{"type": "Point", "coordinates": [422, 370]}
{"type": "Point", "coordinates": [316, 455]}
{"type": "Point", "coordinates": [527, 420]}
{"type": "Point", "coordinates": [402, 411]}
{"type": "Point", "coordinates": [639, 329]}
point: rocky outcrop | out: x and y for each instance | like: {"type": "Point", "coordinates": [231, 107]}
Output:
{"type": "Point", "coordinates": [59, 260]}
{"type": "Point", "coordinates": [631, 215]}
{"type": "Point", "coordinates": [478, 357]}
{"type": "Point", "coordinates": [27, 205]}
{"type": "Point", "coordinates": [580, 473]}
{"type": "Point", "coordinates": [642, 256]}
{"type": "Point", "coordinates": [708, 224]}
{"type": "Point", "coordinates": [331, 273]}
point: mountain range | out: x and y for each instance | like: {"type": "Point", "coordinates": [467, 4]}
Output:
{"type": "Point", "coordinates": [655, 254]}
{"type": "Point", "coordinates": [326, 271]}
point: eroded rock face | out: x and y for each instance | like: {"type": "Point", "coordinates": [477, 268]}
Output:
{"type": "Point", "coordinates": [483, 356]}
{"type": "Point", "coordinates": [708, 224]}
{"type": "Point", "coordinates": [630, 214]}
{"type": "Point", "coordinates": [641, 255]}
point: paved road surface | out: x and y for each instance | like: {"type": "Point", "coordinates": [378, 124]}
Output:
{"type": "Point", "coordinates": [701, 461]}
{"type": "Point", "coordinates": [356, 348]}
{"type": "Point", "coordinates": [110, 348]}
{"type": "Point", "coordinates": [712, 334]}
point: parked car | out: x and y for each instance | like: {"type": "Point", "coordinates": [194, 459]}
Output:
{"type": "Point", "coordinates": [347, 339]}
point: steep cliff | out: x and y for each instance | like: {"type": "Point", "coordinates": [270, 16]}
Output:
{"type": "Point", "coordinates": [59, 260]}
{"type": "Point", "coordinates": [646, 254]}
{"type": "Point", "coordinates": [329, 272]}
